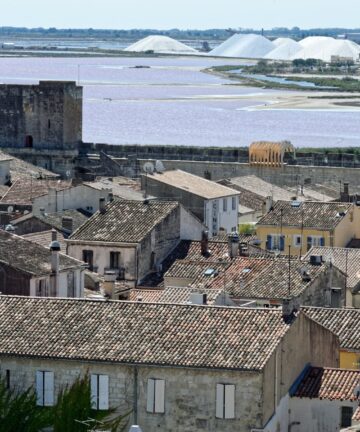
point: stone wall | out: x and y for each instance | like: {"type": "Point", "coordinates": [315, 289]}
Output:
{"type": "Point", "coordinates": [190, 394]}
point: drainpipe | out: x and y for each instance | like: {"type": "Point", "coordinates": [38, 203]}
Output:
{"type": "Point", "coordinates": [135, 401]}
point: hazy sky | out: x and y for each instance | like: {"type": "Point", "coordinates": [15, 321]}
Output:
{"type": "Point", "coordinates": [166, 14]}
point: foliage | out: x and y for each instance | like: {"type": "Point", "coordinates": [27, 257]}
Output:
{"type": "Point", "coordinates": [73, 411]}
{"type": "Point", "coordinates": [19, 412]}
{"type": "Point", "coordinates": [247, 229]}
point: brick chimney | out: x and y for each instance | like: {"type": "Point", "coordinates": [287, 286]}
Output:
{"type": "Point", "coordinates": [205, 243]}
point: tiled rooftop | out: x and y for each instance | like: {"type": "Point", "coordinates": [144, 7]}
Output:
{"type": "Point", "coordinates": [194, 184]}
{"type": "Point", "coordinates": [24, 190]}
{"type": "Point", "coordinates": [173, 295]}
{"type": "Point", "coordinates": [356, 416]}
{"type": "Point", "coordinates": [343, 322]}
{"type": "Point", "coordinates": [328, 383]}
{"type": "Point", "coordinates": [55, 219]}
{"type": "Point", "coordinates": [124, 221]}
{"type": "Point", "coordinates": [44, 239]}
{"type": "Point", "coordinates": [345, 259]}
{"type": "Point", "coordinates": [317, 215]}
{"type": "Point", "coordinates": [125, 191]}
{"type": "Point", "coordinates": [145, 295]}
{"type": "Point", "coordinates": [139, 333]}
{"type": "Point", "coordinates": [195, 270]}
{"type": "Point", "coordinates": [30, 257]}
{"type": "Point", "coordinates": [21, 169]}
{"type": "Point", "coordinates": [265, 278]}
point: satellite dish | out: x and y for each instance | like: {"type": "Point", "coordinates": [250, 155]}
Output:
{"type": "Point", "coordinates": [159, 166]}
{"type": "Point", "coordinates": [148, 167]}
{"type": "Point", "coordinates": [10, 209]}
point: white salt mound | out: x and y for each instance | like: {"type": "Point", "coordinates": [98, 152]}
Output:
{"type": "Point", "coordinates": [323, 48]}
{"type": "Point", "coordinates": [281, 41]}
{"type": "Point", "coordinates": [161, 44]}
{"type": "Point", "coordinates": [248, 46]}
{"type": "Point", "coordinates": [284, 50]}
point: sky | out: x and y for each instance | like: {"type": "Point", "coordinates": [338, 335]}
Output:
{"type": "Point", "coordinates": [182, 14]}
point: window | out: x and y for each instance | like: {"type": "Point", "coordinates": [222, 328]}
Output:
{"type": "Point", "coordinates": [99, 385]}
{"type": "Point", "coordinates": [114, 260]}
{"type": "Point", "coordinates": [29, 141]}
{"type": "Point", "coordinates": [315, 241]}
{"type": "Point", "coordinates": [297, 240]}
{"type": "Point", "coordinates": [42, 288]}
{"type": "Point", "coordinates": [225, 204]}
{"type": "Point", "coordinates": [49, 124]}
{"type": "Point", "coordinates": [88, 257]}
{"type": "Point", "coordinates": [44, 388]}
{"type": "Point", "coordinates": [71, 284]}
{"type": "Point", "coordinates": [225, 401]}
{"type": "Point", "coordinates": [233, 203]}
{"type": "Point", "coordinates": [346, 416]}
{"type": "Point", "coordinates": [275, 242]}
{"type": "Point", "coordinates": [155, 396]}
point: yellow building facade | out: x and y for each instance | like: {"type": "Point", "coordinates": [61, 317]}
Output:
{"type": "Point", "coordinates": [299, 238]}
{"type": "Point", "coordinates": [349, 359]}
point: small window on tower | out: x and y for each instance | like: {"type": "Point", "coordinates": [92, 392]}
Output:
{"type": "Point", "coordinates": [29, 141]}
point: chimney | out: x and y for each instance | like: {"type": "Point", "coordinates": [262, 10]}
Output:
{"type": "Point", "coordinates": [53, 235]}
{"type": "Point", "coordinates": [198, 298]}
{"type": "Point", "coordinates": [233, 244]}
{"type": "Point", "coordinates": [346, 189]}
{"type": "Point", "coordinates": [109, 283]}
{"type": "Point", "coordinates": [42, 211]}
{"type": "Point", "coordinates": [102, 205]}
{"type": "Point", "coordinates": [55, 248]}
{"type": "Point", "coordinates": [268, 204]}
{"type": "Point", "coordinates": [110, 197]}
{"type": "Point", "coordinates": [288, 310]}
{"type": "Point", "coordinates": [67, 224]}
{"type": "Point", "coordinates": [205, 243]}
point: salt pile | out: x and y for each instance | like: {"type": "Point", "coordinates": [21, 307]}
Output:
{"type": "Point", "coordinates": [161, 44]}
{"type": "Point", "coordinates": [323, 48]}
{"type": "Point", "coordinates": [243, 45]}
{"type": "Point", "coordinates": [286, 49]}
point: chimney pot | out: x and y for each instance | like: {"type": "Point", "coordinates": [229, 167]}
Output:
{"type": "Point", "coordinates": [205, 243]}
{"type": "Point", "coordinates": [53, 235]}
{"type": "Point", "coordinates": [111, 197]}
{"type": "Point", "coordinates": [102, 205]}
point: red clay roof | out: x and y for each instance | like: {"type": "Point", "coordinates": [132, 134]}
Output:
{"type": "Point", "coordinates": [328, 383]}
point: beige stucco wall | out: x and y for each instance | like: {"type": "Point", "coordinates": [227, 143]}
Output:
{"type": "Point", "coordinates": [305, 342]}
{"type": "Point", "coordinates": [190, 394]}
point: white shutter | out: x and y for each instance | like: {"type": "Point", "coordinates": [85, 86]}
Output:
{"type": "Point", "coordinates": [40, 388]}
{"type": "Point", "coordinates": [94, 391]}
{"type": "Point", "coordinates": [159, 396]}
{"type": "Point", "coordinates": [48, 388]}
{"type": "Point", "coordinates": [220, 401]}
{"type": "Point", "coordinates": [150, 395]}
{"type": "Point", "coordinates": [229, 401]}
{"type": "Point", "coordinates": [103, 392]}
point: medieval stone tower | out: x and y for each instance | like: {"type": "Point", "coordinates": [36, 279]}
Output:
{"type": "Point", "coordinates": [39, 121]}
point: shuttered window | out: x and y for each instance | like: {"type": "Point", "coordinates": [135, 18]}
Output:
{"type": "Point", "coordinates": [44, 388]}
{"type": "Point", "coordinates": [225, 401]}
{"type": "Point", "coordinates": [155, 396]}
{"type": "Point", "coordinates": [99, 385]}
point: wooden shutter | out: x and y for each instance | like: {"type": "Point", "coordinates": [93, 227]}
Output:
{"type": "Point", "coordinates": [40, 388]}
{"type": "Point", "coordinates": [150, 395]}
{"type": "Point", "coordinates": [48, 388]}
{"type": "Point", "coordinates": [220, 401]}
{"type": "Point", "coordinates": [282, 242]}
{"type": "Point", "coordinates": [309, 242]}
{"type": "Point", "coordinates": [94, 391]}
{"type": "Point", "coordinates": [103, 392]}
{"type": "Point", "coordinates": [322, 241]}
{"type": "Point", "coordinates": [159, 396]}
{"type": "Point", "coordinates": [269, 242]}
{"type": "Point", "coordinates": [229, 401]}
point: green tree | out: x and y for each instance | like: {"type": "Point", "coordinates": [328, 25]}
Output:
{"type": "Point", "coordinates": [19, 412]}
{"type": "Point", "coordinates": [73, 411]}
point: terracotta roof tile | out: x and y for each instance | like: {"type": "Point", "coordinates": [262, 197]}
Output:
{"type": "Point", "coordinates": [124, 221]}
{"type": "Point", "coordinates": [343, 322]}
{"type": "Point", "coordinates": [356, 416]}
{"type": "Point", "coordinates": [328, 383]}
{"type": "Point", "coordinates": [317, 215]}
{"type": "Point", "coordinates": [193, 184]}
{"type": "Point", "coordinates": [145, 295]}
{"type": "Point", "coordinates": [140, 333]}
{"type": "Point", "coordinates": [345, 259]}
{"type": "Point", "coordinates": [29, 256]}
{"type": "Point", "coordinates": [24, 190]}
